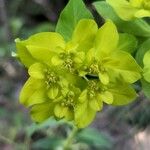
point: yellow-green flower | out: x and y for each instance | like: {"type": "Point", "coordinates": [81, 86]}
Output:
{"type": "Point", "coordinates": [73, 79]}
{"type": "Point", "coordinates": [38, 47]}
{"type": "Point", "coordinates": [92, 98]}
{"type": "Point", "coordinates": [61, 108]}
{"type": "Point", "coordinates": [73, 54]}
{"type": "Point", "coordinates": [50, 47]}
{"type": "Point", "coordinates": [146, 70]}
{"type": "Point", "coordinates": [108, 63]}
{"type": "Point", "coordinates": [130, 9]}
{"type": "Point", "coordinates": [53, 90]}
{"type": "Point", "coordinates": [66, 103]}
{"type": "Point", "coordinates": [48, 59]}
{"type": "Point", "coordinates": [44, 83]}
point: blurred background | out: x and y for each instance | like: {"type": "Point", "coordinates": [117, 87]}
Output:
{"type": "Point", "coordinates": [115, 128]}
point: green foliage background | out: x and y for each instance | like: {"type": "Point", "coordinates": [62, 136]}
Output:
{"type": "Point", "coordinates": [113, 128]}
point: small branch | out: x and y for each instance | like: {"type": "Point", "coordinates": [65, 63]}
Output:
{"type": "Point", "coordinates": [86, 78]}
{"type": "Point", "coordinates": [70, 138]}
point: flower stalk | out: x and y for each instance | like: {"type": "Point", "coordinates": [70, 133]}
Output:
{"type": "Point", "coordinates": [68, 142]}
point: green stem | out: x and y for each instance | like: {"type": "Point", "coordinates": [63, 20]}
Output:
{"type": "Point", "coordinates": [86, 78]}
{"type": "Point", "coordinates": [70, 138]}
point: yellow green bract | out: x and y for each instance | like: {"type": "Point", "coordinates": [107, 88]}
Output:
{"type": "Point", "coordinates": [130, 9]}
{"type": "Point", "coordinates": [146, 70]}
{"type": "Point", "coordinates": [72, 80]}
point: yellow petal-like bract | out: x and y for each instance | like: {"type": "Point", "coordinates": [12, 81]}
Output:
{"type": "Point", "coordinates": [131, 9]}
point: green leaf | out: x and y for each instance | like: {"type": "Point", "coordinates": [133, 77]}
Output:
{"type": "Point", "coordinates": [37, 71]}
{"type": "Point", "coordinates": [123, 94]}
{"type": "Point", "coordinates": [48, 40]}
{"type": "Point", "coordinates": [146, 88]}
{"type": "Point", "coordinates": [23, 54]}
{"type": "Point", "coordinates": [84, 34]}
{"type": "Point", "coordinates": [146, 74]}
{"type": "Point", "coordinates": [48, 143]}
{"type": "Point", "coordinates": [127, 42]}
{"type": "Point", "coordinates": [143, 13]}
{"type": "Point", "coordinates": [41, 112]}
{"type": "Point", "coordinates": [136, 27]}
{"type": "Point", "coordinates": [51, 122]}
{"type": "Point", "coordinates": [29, 88]}
{"type": "Point", "coordinates": [94, 138]}
{"type": "Point", "coordinates": [72, 13]}
{"type": "Point", "coordinates": [124, 65]}
{"type": "Point", "coordinates": [38, 46]}
{"type": "Point", "coordinates": [146, 70]}
{"type": "Point", "coordinates": [146, 59]}
{"type": "Point", "coordinates": [95, 104]}
{"type": "Point", "coordinates": [104, 78]}
{"type": "Point", "coordinates": [39, 96]}
{"type": "Point", "coordinates": [43, 55]}
{"type": "Point", "coordinates": [106, 34]}
{"type": "Point", "coordinates": [84, 115]}
{"type": "Point", "coordinates": [141, 52]}
{"type": "Point", "coordinates": [123, 8]}
{"type": "Point", "coordinates": [107, 97]}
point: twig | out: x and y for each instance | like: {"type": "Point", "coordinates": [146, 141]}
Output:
{"type": "Point", "coordinates": [70, 138]}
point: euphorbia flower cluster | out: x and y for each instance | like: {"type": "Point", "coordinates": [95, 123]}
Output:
{"type": "Point", "coordinates": [72, 79]}
{"type": "Point", "coordinates": [131, 9]}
